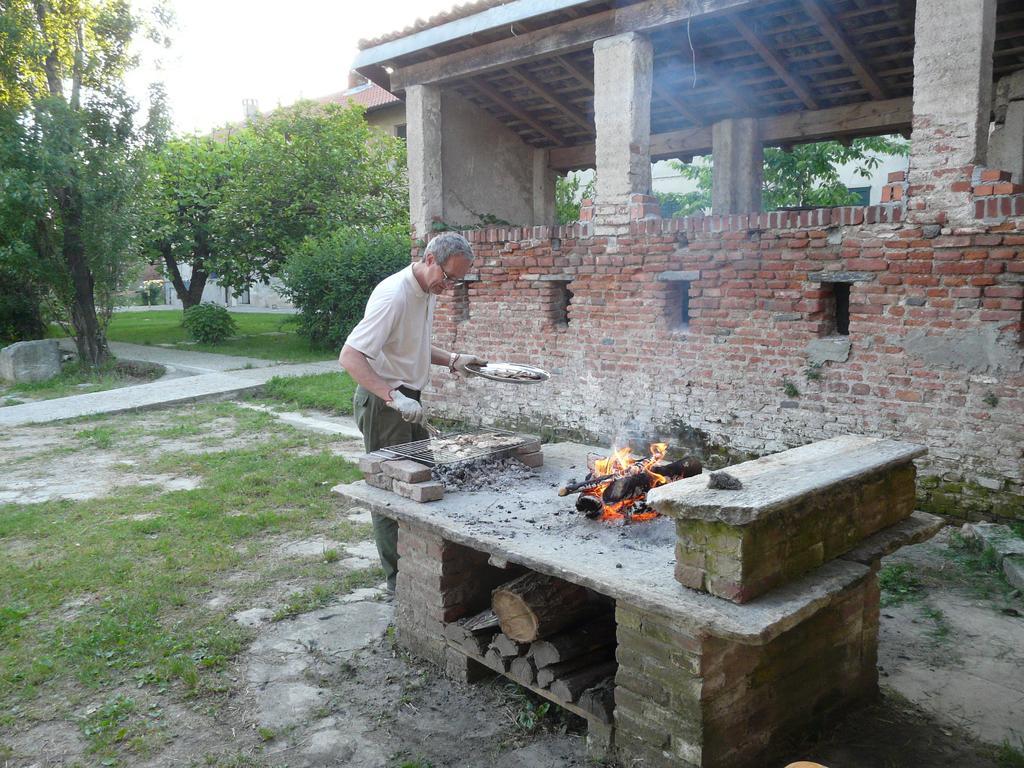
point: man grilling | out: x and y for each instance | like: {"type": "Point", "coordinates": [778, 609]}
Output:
{"type": "Point", "coordinates": [389, 353]}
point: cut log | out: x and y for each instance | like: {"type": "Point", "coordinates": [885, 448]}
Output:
{"type": "Point", "coordinates": [473, 634]}
{"type": "Point", "coordinates": [589, 504]}
{"type": "Point", "coordinates": [522, 671]}
{"type": "Point", "coordinates": [599, 700]}
{"type": "Point", "coordinates": [548, 675]}
{"type": "Point", "coordinates": [508, 647]}
{"type": "Point", "coordinates": [569, 688]}
{"type": "Point", "coordinates": [535, 605]}
{"type": "Point", "coordinates": [482, 622]}
{"type": "Point", "coordinates": [595, 634]}
{"type": "Point", "coordinates": [496, 661]}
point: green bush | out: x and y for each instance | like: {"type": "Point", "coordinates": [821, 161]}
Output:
{"type": "Point", "coordinates": [330, 278]}
{"type": "Point", "coordinates": [208, 323]}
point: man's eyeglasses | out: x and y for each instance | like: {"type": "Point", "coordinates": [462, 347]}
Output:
{"type": "Point", "coordinates": [448, 280]}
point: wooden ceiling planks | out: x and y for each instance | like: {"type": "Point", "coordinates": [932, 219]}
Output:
{"type": "Point", "coordinates": [764, 59]}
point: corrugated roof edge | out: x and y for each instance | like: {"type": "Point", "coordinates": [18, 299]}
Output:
{"type": "Point", "coordinates": [481, 16]}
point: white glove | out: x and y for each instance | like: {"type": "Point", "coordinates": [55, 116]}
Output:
{"type": "Point", "coordinates": [410, 410]}
{"type": "Point", "coordinates": [461, 360]}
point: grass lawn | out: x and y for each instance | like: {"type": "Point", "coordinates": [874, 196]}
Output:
{"type": "Point", "coordinates": [268, 336]}
{"type": "Point", "coordinates": [331, 392]}
{"type": "Point", "coordinates": [104, 600]}
{"type": "Point", "coordinates": [77, 380]}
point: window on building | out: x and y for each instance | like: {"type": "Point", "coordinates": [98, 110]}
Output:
{"type": "Point", "coordinates": [400, 131]}
{"type": "Point", "coordinates": [837, 309]}
{"type": "Point", "coordinates": [863, 195]}
{"type": "Point", "coordinates": [679, 304]}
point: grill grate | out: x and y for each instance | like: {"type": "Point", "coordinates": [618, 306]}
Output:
{"type": "Point", "coordinates": [452, 447]}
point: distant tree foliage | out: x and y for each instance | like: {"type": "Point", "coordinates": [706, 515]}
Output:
{"type": "Point", "coordinates": [303, 172]}
{"type": "Point", "coordinates": [569, 193]}
{"type": "Point", "coordinates": [187, 185]}
{"type": "Point", "coordinates": [804, 176]}
{"type": "Point", "coordinates": [71, 157]}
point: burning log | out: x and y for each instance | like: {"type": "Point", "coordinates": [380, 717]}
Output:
{"type": "Point", "coordinates": [562, 647]}
{"type": "Point", "coordinates": [589, 504]}
{"type": "Point", "coordinates": [569, 688]}
{"type": "Point", "coordinates": [640, 482]}
{"type": "Point", "coordinates": [549, 674]}
{"type": "Point", "coordinates": [534, 606]}
{"type": "Point", "coordinates": [599, 700]}
{"type": "Point", "coordinates": [630, 482]}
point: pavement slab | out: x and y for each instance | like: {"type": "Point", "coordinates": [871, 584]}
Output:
{"type": "Point", "coordinates": [155, 394]}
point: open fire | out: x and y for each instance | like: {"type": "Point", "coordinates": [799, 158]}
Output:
{"type": "Point", "coordinates": [615, 490]}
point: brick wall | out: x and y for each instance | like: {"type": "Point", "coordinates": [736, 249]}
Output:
{"type": "Point", "coordinates": [691, 699]}
{"type": "Point", "coordinates": [933, 355]}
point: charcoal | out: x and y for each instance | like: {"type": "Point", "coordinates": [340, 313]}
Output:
{"type": "Point", "coordinates": [723, 481]}
{"type": "Point", "coordinates": [488, 474]}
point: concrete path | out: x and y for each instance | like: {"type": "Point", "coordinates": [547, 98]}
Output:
{"type": "Point", "coordinates": [323, 423]}
{"type": "Point", "coordinates": [207, 386]}
{"type": "Point", "coordinates": [182, 359]}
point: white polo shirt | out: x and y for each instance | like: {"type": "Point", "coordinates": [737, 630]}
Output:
{"type": "Point", "coordinates": [394, 333]}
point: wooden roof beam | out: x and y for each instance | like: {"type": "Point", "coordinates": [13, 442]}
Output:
{"type": "Point", "coordinates": [515, 111]}
{"type": "Point", "coordinates": [552, 98]}
{"type": "Point", "coordinates": [568, 36]}
{"type": "Point", "coordinates": [863, 119]}
{"type": "Point", "coordinates": [772, 59]}
{"type": "Point", "coordinates": [830, 29]}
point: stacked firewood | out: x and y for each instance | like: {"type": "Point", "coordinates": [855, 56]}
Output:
{"type": "Point", "coordinates": [547, 634]}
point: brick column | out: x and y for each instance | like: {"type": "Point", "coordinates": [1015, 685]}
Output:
{"type": "Point", "coordinates": [738, 168]}
{"type": "Point", "coordinates": [544, 213]}
{"type": "Point", "coordinates": [623, 77]}
{"type": "Point", "coordinates": [952, 103]}
{"type": "Point", "coordinates": [423, 128]}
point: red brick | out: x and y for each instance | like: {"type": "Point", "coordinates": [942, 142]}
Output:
{"type": "Point", "coordinates": [994, 174]}
{"type": "Point", "coordinates": [897, 176]}
{"type": "Point", "coordinates": [983, 190]}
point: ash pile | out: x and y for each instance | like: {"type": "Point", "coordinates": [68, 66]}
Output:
{"type": "Point", "coordinates": [494, 473]}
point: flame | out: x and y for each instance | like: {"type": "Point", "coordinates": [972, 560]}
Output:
{"type": "Point", "coordinates": [622, 463]}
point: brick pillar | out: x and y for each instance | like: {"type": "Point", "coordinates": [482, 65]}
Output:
{"type": "Point", "coordinates": [738, 167]}
{"type": "Point", "coordinates": [544, 213]}
{"type": "Point", "coordinates": [623, 70]}
{"type": "Point", "coordinates": [952, 104]}
{"type": "Point", "coordinates": [423, 142]}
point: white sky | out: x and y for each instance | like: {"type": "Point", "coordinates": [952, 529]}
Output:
{"type": "Point", "coordinates": [274, 51]}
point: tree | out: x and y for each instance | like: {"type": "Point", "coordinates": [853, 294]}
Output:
{"type": "Point", "coordinates": [805, 176]}
{"type": "Point", "coordinates": [304, 172]}
{"type": "Point", "coordinates": [70, 156]}
{"type": "Point", "coordinates": [570, 192]}
{"type": "Point", "coordinates": [186, 188]}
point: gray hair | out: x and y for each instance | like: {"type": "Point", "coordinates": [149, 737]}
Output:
{"type": "Point", "coordinates": [448, 244]}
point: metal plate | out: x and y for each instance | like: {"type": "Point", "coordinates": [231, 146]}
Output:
{"type": "Point", "coordinates": [491, 372]}
{"type": "Point", "coordinates": [453, 447]}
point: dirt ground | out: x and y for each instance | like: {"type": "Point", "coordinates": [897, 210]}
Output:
{"type": "Point", "coordinates": [330, 688]}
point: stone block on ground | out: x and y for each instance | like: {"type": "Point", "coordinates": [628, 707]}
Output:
{"type": "Point", "coordinates": [371, 463]}
{"type": "Point", "coordinates": [999, 538]}
{"type": "Point", "coordinates": [30, 361]}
